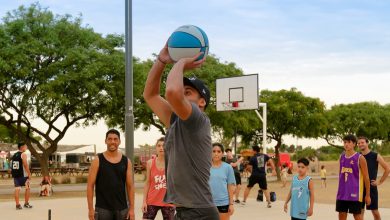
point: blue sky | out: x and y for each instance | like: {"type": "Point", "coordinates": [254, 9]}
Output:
{"type": "Point", "coordinates": [336, 50]}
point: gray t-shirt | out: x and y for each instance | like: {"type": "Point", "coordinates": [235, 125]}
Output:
{"type": "Point", "coordinates": [188, 161]}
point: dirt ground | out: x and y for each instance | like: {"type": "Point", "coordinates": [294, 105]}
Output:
{"type": "Point", "coordinates": [322, 195]}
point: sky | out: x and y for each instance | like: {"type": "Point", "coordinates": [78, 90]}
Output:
{"type": "Point", "coordinates": [336, 50]}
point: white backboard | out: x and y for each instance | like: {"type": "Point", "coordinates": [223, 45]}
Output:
{"type": "Point", "coordinates": [244, 90]}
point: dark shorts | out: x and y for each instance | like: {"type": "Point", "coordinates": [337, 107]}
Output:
{"type": "Point", "coordinates": [259, 179]}
{"type": "Point", "coordinates": [168, 212]}
{"type": "Point", "coordinates": [223, 209]}
{"type": "Point", "coordinates": [237, 175]}
{"type": "Point", "coordinates": [374, 199]}
{"type": "Point", "coordinates": [183, 213]}
{"type": "Point", "coordinates": [20, 181]}
{"type": "Point", "coordinates": [353, 207]}
{"type": "Point", "coordinates": [323, 178]}
{"type": "Point", "coordinates": [292, 218]}
{"type": "Point", "coordinates": [104, 214]}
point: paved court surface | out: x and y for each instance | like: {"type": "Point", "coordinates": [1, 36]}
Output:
{"type": "Point", "coordinates": [76, 208]}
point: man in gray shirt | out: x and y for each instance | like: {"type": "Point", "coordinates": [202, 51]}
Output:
{"type": "Point", "coordinates": [188, 140]}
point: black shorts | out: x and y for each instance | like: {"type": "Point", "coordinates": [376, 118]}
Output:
{"type": "Point", "coordinates": [237, 175]}
{"type": "Point", "coordinates": [259, 179]}
{"type": "Point", "coordinates": [374, 199]}
{"type": "Point", "coordinates": [292, 218]}
{"type": "Point", "coordinates": [20, 181]}
{"type": "Point", "coordinates": [183, 213]}
{"type": "Point", "coordinates": [353, 207]}
{"type": "Point", "coordinates": [223, 209]}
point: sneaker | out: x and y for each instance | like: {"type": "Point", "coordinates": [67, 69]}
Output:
{"type": "Point", "coordinates": [243, 203]}
{"type": "Point", "coordinates": [27, 205]}
{"type": "Point", "coordinates": [269, 205]}
{"type": "Point", "coordinates": [237, 201]}
{"type": "Point", "coordinates": [18, 207]}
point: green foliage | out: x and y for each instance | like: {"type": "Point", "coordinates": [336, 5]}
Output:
{"type": "Point", "coordinates": [290, 112]}
{"type": "Point", "coordinates": [328, 153]}
{"type": "Point", "coordinates": [65, 180]}
{"type": "Point", "coordinates": [384, 148]}
{"type": "Point", "coordinates": [368, 119]}
{"type": "Point", "coordinates": [307, 152]}
{"type": "Point", "coordinates": [224, 123]}
{"type": "Point", "coordinates": [81, 179]}
{"type": "Point", "coordinates": [53, 69]}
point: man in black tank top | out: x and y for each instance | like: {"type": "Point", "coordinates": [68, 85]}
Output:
{"type": "Point", "coordinates": [21, 174]}
{"type": "Point", "coordinates": [373, 159]}
{"type": "Point", "coordinates": [110, 175]}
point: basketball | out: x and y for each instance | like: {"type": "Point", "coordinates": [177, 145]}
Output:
{"type": "Point", "coordinates": [186, 41]}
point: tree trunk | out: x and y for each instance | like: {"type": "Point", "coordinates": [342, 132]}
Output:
{"type": "Point", "coordinates": [279, 143]}
{"type": "Point", "coordinates": [43, 161]}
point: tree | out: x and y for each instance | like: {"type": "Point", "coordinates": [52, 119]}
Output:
{"type": "Point", "coordinates": [368, 119]}
{"type": "Point", "coordinates": [7, 136]}
{"type": "Point", "coordinates": [290, 112]}
{"type": "Point", "coordinates": [54, 71]}
{"type": "Point", "coordinates": [223, 123]}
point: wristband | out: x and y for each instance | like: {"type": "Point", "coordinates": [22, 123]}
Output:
{"type": "Point", "coordinates": [159, 59]}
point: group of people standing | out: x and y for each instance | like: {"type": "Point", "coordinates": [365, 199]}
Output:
{"type": "Point", "coordinates": [188, 179]}
{"type": "Point", "coordinates": [357, 187]}
{"type": "Point", "coordinates": [197, 183]}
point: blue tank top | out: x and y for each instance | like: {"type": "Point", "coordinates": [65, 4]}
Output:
{"type": "Point", "coordinates": [300, 197]}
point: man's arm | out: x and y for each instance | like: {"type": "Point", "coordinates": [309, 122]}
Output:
{"type": "Point", "coordinates": [386, 169]}
{"type": "Point", "coordinates": [235, 164]}
{"type": "Point", "coordinates": [146, 186]}
{"type": "Point", "coordinates": [93, 170]}
{"type": "Point", "coordinates": [364, 169]}
{"type": "Point", "coordinates": [152, 88]}
{"type": "Point", "coordinates": [130, 190]}
{"type": "Point", "coordinates": [174, 92]}
{"type": "Point", "coordinates": [25, 165]}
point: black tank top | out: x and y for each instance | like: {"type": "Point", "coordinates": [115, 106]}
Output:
{"type": "Point", "coordinates": [372, 164]}
{"type": "Point", "coordinates": [17, 165]}
{"type": "Point", "coordinates": [110, 188]}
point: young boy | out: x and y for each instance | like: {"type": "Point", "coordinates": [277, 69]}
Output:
{"type": "Point", "coordinates": [284, 175]}
{"type": "Point", "coordinates": [353, 170]}
{"type": "Point", "coordinates": [301, 193]}
{"type": "Point", "coordinates": [323, 176]}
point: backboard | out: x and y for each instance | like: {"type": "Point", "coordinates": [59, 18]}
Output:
{"type": "Point", "coordinates": [237, 93]}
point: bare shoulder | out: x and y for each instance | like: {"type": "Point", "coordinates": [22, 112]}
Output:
{"type": "Point", "coordinates": [149, 162]}
{"type": "Point", "coordinates": [95, 161]}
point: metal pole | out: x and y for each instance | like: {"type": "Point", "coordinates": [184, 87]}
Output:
{"type": "Point", "coordinates": [129, 114]}
{"type": "Point", "coordinates": [235, 141]}
{"type": "Point", "coordinates": [264, 127]}
{"type": "Point", "coordinates": [264, 120]}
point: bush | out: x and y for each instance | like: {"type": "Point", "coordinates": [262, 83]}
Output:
{"type": "Point", "coordinates": [55, 181]}
{"type": "Point", "coordinates": [65, 180]}
{"type": "Point", "coordinates": [81, 179]}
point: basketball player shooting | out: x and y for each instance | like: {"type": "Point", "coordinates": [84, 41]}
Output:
{"type": "Point", "coordinates": [188, 138]}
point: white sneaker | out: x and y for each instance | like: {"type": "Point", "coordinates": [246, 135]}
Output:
{"type": "Point", "coordinates": [243, 203]}
{"type": "Point", "coordinates": [269, 205]}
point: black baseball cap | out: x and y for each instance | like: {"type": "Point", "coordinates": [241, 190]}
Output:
{"type": "Point", "coordinates": [199, 86]}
